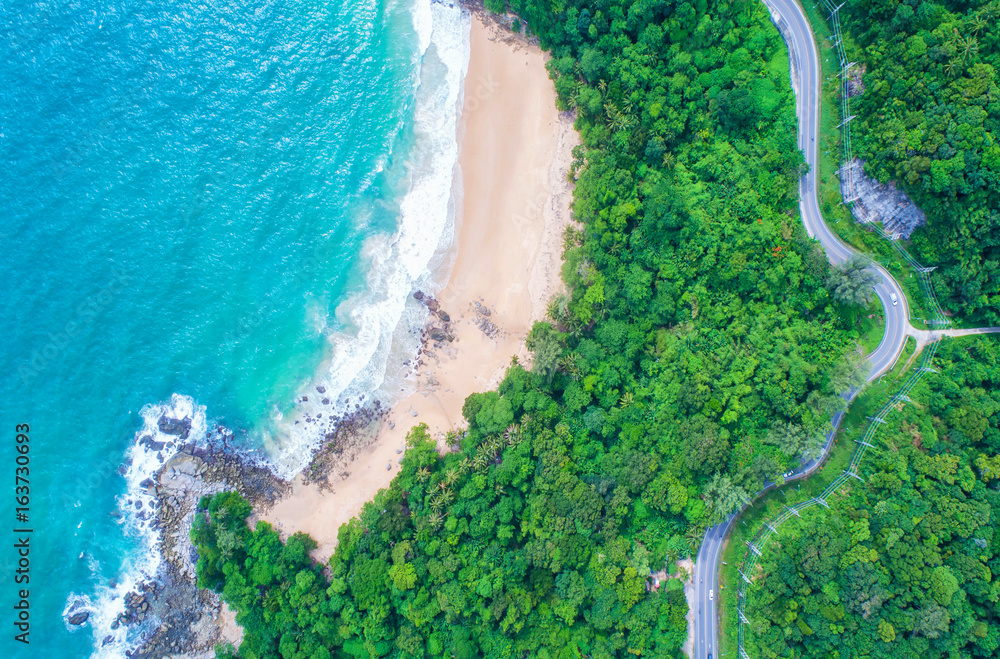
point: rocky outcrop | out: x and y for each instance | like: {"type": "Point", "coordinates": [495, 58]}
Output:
{"type": "Point", "coordinates": [879, 202]}
{"type": "Point", "coordinates": [182, 615]}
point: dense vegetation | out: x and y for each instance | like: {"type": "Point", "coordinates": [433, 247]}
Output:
{"type": "Point", "coordinates": [929, 119]}
{"type": "Point", "coordinates": [698, 355]}
{"type": "Point", "coordinates": [903, 565]}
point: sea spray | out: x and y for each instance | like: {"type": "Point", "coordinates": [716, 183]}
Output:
{"type": "Point", "coordinates": [169, 169]}
{"type": "Point", "coordinates": [380, 327]}
{"type": "Point", "coordinates": [374, 331]}
{"type": "Point", "coordinates": [166, 429]}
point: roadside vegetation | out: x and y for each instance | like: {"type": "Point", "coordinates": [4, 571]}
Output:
{"type": "Point", "coordinates": [811, 574]}
{"type": "Point", "coordinates": [929, 120]}
{"type": "Point", "coordinates": [901, 564]}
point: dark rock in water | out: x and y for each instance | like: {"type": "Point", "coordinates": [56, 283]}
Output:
{"type": "Point", "coordinates": [305, 399]}
{"type": "Point", "coordinates": [138, 504]}
{"type": "Point", "coordinates": [122, 469]}
{"type": "Point", "coordinates": [433, 305]}
{"type": "Point", "coordinates": [154, 445]}
{"type": "Point", "coordinates": [179, 427]}
{"type": "Point", "coordinates": [147, 483]}
{"type": "Point", "coordinates": [443, 315]}
{"type": "Point", "coordinates": [419, 295]}
{"type": "Point", "coordinates": [79, 618]}
{"type": "Point", "coordinates": [108, 640]}
{"type": "Point", "coordinates": [321, 389]}
{"type": "Point", "coordinates": [326, 401]}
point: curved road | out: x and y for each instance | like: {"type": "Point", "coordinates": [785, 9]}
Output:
{"type": "Point", "coordinates": [791, 20]}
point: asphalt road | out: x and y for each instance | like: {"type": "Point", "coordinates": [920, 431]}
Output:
{"type": "Point", "coordinates": [806, 79]}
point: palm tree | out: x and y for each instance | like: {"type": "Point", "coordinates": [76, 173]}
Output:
{"type": "Point", "coordinates": [970, 47]}
{"type": "Point", "coordinates": [494, 444]}
{"type": "Point", "coordinates": [852, 282]}
{"type": "Point", "coordinates": [978, 25]}
{"type": "Point", "coordinates": [451, 477]}
{"type": "Point", "coordinates": [423, 474]}
{"type": "Point", "coordinates": [693, 536]}
{"type": "Point", "coordinates": [626, 400]}
{"type": "Point", "coordinates": [435, 520]}
{"type": "Point", "coordinates": [570, 366]}
{"type": "Point", "coordinates": [669, 160]}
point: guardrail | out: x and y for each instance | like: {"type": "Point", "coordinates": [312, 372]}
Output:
{"type": "Point", "coordinates": [758, 544]}
{"type": "Point", "coordinates": [936, 312]}
{"type": "Point", "coordinates": [769, 528]}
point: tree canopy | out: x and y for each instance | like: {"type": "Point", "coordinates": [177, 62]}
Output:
{"type": "Point", "coordinates": [695, 358]}
{"type": "Point", "coordinates": [903, 564]}
{"type": "Point", "coordinates": [929, 119]}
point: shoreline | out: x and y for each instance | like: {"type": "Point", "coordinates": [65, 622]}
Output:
{"type": "Point", "coordinates": [514, 152]}
{"type": "Point", "coordinates": [503, 267]}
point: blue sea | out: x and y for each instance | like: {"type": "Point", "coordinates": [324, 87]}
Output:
{"type": "Point", "coordinates": [206, 209]}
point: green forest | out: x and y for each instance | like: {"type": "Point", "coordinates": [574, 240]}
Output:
{"type": "Point", "coordinates": [904, 564]}
{"type": "Point", "coordinates": [929, 119]}
{"type": "Point", "coordinates": [699, 354]}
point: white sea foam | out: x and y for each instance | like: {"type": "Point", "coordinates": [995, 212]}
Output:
{"type": "Point", "coordinates": [380, 327]}
{"type": "Point", "coordinates": [150, 450]}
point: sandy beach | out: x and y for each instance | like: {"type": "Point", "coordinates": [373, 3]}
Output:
{"type": "Point", "coordinates": [515, 150]}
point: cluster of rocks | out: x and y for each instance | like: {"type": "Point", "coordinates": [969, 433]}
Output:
{"type": "Point", "coordinates": [484, 322]}
{"type": "Point", "coordinates": [439, 329]}
{"type": "Point", "coordinates": [176, 615]}
{"type": "Point", "coordinates": [348, 434]}
{"type": "Point", "coordinates": [137, 605]}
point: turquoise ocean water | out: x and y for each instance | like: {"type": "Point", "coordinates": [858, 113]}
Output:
{"type": "Point", "coordinates": [205, 207]}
